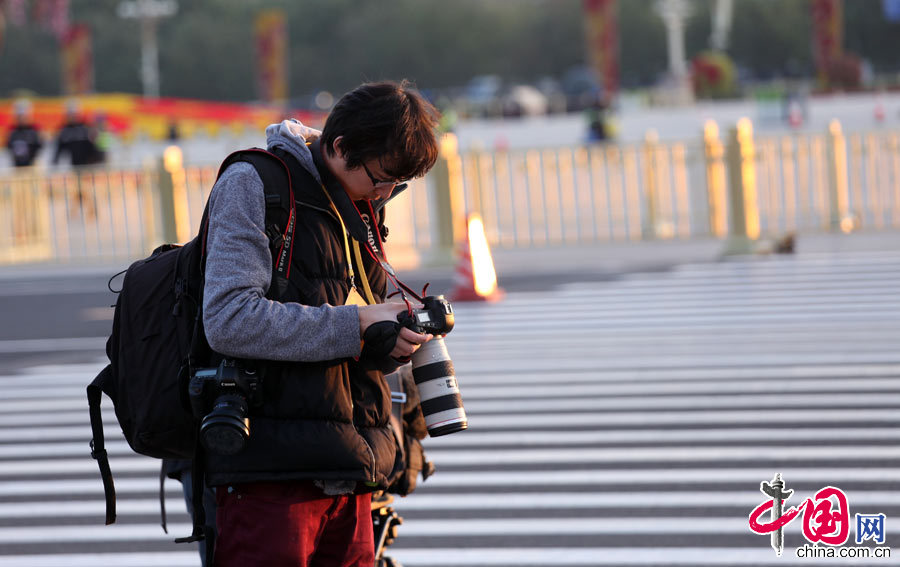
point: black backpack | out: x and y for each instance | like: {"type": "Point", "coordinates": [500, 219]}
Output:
{"type": "Point", "coordinates": [157, 337]}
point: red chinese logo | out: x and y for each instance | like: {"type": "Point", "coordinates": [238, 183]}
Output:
{"type": "Point", "coordinates": [821, 522]}
{"type": "Point", "coordinates": [826, 517]}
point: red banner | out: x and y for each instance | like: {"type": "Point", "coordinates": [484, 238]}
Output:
{"type": "Point", "coordinates": [16, 10]}
{"type": "Point", "coordinates": [602, 34]}
{"type": "Point", "coordinates": [52, 15]}
{"type": "Point", "coordinates": [271, 54]}
{"type": "Point", "coordinates": [129, 114]}
{"type": "Point", "coordinates": [828, 34]}
{"type": "Point", "coordinates": [77, 60]}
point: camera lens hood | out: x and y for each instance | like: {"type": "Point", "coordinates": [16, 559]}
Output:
{"type": "Point", "coordinates": [225, 430]}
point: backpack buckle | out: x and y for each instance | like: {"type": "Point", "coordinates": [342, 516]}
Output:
{"type": "Point", "coordinates": [97, 455]}
{"type": "Point", "coordinates": [275, 237]}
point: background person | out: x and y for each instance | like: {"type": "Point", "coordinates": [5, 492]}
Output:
{"type": "Point", "coordinates": [24, 140]}
{"type": "Point", "coordinates": [78, 140]}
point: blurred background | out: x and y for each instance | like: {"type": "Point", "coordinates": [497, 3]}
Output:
{"type": "Point", "coordinates": [642, 94]}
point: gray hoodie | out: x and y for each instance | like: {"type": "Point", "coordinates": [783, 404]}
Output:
{"type": "Point", "coordinates": [238, 319]}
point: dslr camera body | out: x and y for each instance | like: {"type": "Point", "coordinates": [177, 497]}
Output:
{"type": "Point", "coordinates": [433, 370]}
{"type": "Point", "coordinates": [221, 397]}
{"type": "Point", "coordinates": [436, 317]}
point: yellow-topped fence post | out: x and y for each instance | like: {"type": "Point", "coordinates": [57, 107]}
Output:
{"type": "Point", "coordinates": [447, 200]}
{"type": "Point", "coordinates": [744, 208]}
{"type": "Point", "coordinates": [651, 185]}
{"type": "Point", "coordinates": [716, 181]}
{"type": "Point", "coordinates": [838, 219]}
{"type": "Point", "coordinates": [176, 224]}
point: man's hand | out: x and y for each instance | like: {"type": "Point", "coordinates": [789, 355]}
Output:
{"type": "Point", "coordinates": [407, 341]}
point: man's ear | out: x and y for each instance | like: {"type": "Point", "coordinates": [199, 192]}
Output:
{"type": "Point", "coordinates": [337, 146]}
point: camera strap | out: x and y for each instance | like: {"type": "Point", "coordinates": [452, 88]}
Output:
{"type": "Point", "coordinates": [362, 273]}
{"type": "Point", "coordinates": [369, 297]}
{"type": "Point", "coordinates": [382, 261]}
{"type": "Point", "coordinates": [401, 287]}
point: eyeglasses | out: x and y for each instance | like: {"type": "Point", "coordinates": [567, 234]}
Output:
{"type": "Point", "coordinates": [376, 182]}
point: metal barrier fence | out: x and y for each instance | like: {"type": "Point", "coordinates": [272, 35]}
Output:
{"type": "Point", "coordinates": [587, 194]}
{"type": "Point", "coordinates": [809, 183]}
{"type": "Point", "coordinates": [740, 186]}
{"type": "Point", "coordinates": [607, 192]}
{"type": "Point", "coordinates": [121, 215]}
{"type": "Point", "coordinates": [76, 216]}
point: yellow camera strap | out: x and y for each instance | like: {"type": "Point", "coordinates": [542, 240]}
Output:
{"type": "Point", "coordinates": [369, 297]}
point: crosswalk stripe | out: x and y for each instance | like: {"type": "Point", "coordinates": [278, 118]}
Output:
{"type": "Point", "coordinates": [477, 502]}
{"type": "Point", "coordinates": [785, 453]}
{"type": "Point", "coordinates": [680, 402]}
{"type": "Point", "coordinates": [660, 436]}
{"type": "Point", "coordinates": [544, 556]}
{"type": "Point", "coordinates": [28, 419]}
{"type": "Point", "coordinates": [472, 457]}
{"type": "Point", "coordinates": [79, 534]}
{"type": "Point", "coordinates": [421, 527]}
{"type": "Point", "coordinates": [618, 500]}
{"type": "Point", "coordinates": [516, 364]}
{"type": "Point", "coordinates": [480, 391]}
{"type": "Point", "coordinates": [639, 418]}
{"type": "Point", "coordinates": [700, 416]}
{"type": "Point", "coordinates": [499, 438]}
{"type": "Point", "coordinates": [595, 402]}
{"type": "Point", "coordinates": [52, 438]}
{"type": "Point", "coordinates": [52, 345]}
{"type": "Point", "coordinates": [146, 559]}
{"type": "Point", "coordinates": [486, 479]}
{"type": "Point", "coordinates": [718, 375]}
{"type": "Point", "coordinates": [93, 486]}
{"type": "Point", "coordinates": [481, 556]}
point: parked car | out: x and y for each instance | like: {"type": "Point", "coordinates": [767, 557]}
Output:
{"type": "Point", "coordinates": [482, 96]}
{"type": "Point", "coordinates": [524, 100]}
{"type": "Point", "coordinates": [581, 89]}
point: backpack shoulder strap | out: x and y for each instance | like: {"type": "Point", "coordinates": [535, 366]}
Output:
{"type": "Point", "coordinates": [98, 448]}
{"type": "Point", "coordinates": [280, 210]}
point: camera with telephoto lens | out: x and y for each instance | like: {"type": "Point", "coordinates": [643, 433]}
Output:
{"type": "Point", "coordinates": [221, 397]}
{"type": "Point", "coordinates": [432, 368]}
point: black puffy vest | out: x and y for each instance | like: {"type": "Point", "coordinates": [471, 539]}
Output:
{"type": "Point", "coordinates": [322, 420]}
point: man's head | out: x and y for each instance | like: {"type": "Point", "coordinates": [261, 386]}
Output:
{"type": "Point", "coordinates": [73, 109]}
{"type": "Point", "coordinates": [380, 134]}
{"type": "Point", "coordinates": [22, 111]}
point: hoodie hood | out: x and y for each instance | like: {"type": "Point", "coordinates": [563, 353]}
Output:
{"type": "Point", "coordinates": [291, 136]}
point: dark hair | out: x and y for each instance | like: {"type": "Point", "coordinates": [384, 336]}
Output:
{"type": "Point", "coordinates": [386, 121]}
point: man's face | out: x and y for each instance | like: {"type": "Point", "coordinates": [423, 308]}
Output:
{"type": "Point", "coordinates": [368, 182]}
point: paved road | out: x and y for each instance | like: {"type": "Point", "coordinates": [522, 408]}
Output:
{"type": "Point", "coordinates": [620, 422]}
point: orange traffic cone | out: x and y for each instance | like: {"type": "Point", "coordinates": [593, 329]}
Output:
{"type": "Point", "coordinates": [475, 278]}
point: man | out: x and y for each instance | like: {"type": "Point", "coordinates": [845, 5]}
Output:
{"type": "Point", "coordinates": [299, 491]}
{"type": "Point", "coordinates": [77, 139]}
{"type": "Point", "coordinates": [24, 141]}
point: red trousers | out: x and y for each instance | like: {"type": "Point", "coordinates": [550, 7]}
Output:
{"type": "Point", "coordinates": [292, 524]}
